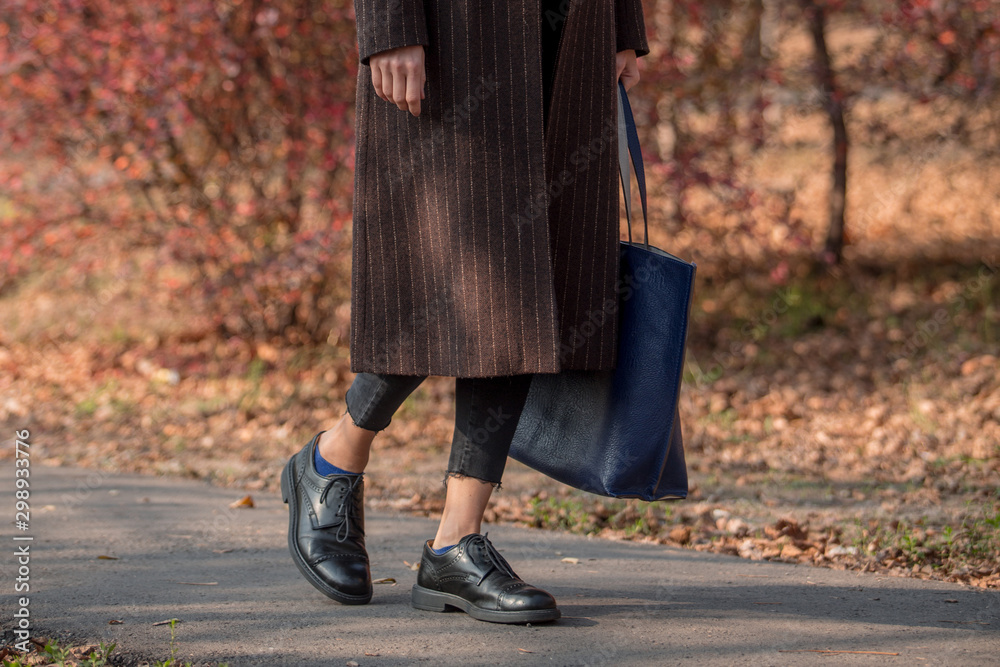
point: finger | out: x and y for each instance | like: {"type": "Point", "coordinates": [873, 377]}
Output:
{"type": "Point", "coordinates": [388, 81]}
{"type": "Point", "coordinates": [414, 81]}
{"type": "Point", "coordinates": [399, 78]}
{"type": "Point", "coordinates": [377, 81]}
{"type": "Point", "coordinates": [630, 76]}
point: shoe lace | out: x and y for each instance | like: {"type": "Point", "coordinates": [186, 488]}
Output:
{"type": "Point", "coordinates": [346, 504]}
{"type": "Point", "coordinates": [493, 556]}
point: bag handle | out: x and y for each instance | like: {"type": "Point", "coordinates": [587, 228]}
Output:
{"type": "Point", "coordinates": [628, 142]}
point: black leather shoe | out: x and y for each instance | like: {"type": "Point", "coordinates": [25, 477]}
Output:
{"type": "Point", "coordinates": [326, 528]}
{"type": "Point", "coordinates": [474, 577]}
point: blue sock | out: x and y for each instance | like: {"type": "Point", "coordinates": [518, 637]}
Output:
{"type": "Point", "coordinates": [441, 550]}
{"type": "Point", "coordinates": [325, 468]}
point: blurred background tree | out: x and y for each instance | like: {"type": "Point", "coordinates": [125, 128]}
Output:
{"type": "Point", "coordinates": [725, 76]}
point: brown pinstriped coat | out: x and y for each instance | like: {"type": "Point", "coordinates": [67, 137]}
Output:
{"type": "Point", "coordinates": [485, 243]}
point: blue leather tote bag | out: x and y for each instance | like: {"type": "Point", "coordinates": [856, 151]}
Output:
{"type": "Point", "coordinates": [618, 433]}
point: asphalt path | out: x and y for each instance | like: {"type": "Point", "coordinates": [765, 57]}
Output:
{"type": "Point", "coordinates": [141, 550]}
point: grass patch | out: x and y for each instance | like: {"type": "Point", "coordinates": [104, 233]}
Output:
{"type": "Point", "coordinates": [587, 516]}
{"type": "Point", "coordinates": [52, 653]}
{"type": "Point", "coordinates": [560, 513]}
{"type": "Point", "coordinates": [970, 544]}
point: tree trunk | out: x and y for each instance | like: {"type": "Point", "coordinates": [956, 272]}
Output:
{"type": "Point", "coordinates": [833, 101]}
{"type": "Point", "coordinates": [753, 54]}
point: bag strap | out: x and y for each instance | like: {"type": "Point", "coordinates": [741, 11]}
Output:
{"type": "Point", "coordinates": [628, 142]}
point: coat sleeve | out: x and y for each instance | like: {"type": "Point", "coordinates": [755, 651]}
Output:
{"type": "Point", "coordinates": [388, 24]}
{"type": "Point", "coordinates": [630, 29]}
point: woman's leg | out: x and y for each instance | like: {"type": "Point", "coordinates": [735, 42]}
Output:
{"type": "Point", "coordinates": [487, 409]}
{"type": "Point", "coordinates": [486, 414]}
{"type": "Point", "coordinates": [326, 535]}
{"type": "Point", "coordinates": [461, 568]}
{"type": "Point", "coordinates": [372, 399]}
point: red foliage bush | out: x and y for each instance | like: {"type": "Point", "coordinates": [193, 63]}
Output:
{"type": "Point", "coordinates": [221, 132]}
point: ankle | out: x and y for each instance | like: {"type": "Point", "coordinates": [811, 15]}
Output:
{"type": "Point", "coordinates": [344, 449]}
{"type": "Point", "coordinates": [325, 468]}
{"type": "Point", "coordinates": [438, 545]}
{"type": "Point", "coordinates": [450, 537]}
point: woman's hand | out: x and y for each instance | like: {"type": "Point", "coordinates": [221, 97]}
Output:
{"type": "Point", "coordinates": [398, 76]}
{"type": "Point", "coordinates": [628, 69]}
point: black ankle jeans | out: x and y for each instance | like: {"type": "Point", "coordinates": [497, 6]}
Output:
{"type": "Point", "coordinates": [486, 414]}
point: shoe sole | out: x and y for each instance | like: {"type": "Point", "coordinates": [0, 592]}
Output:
{"type": "Point", "coordinates": [288, 483]}
{"type": "Point", "coordinates": [426, 599]}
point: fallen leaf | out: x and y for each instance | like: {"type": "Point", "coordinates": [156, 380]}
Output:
{"type": "Point", "coordinates": [791, 551]}
{"type": "Point", "coordinates": [371, 654]}
{"type": "Point", "coordinates": [115, 621]}
{"type": "Point", "coordinates": [412, 566]}
{"type": "Point", "coordinates": [384, 580]}
{"type": "Point", "coordinates": [221, 551]}
{"type": "Point", "coordinates": [524, 650]}
{"type": "Point", "coordinates": [680, 534]}
{"type": "Point", "coordinates": [572, 561]}
{"type": "Point", "coordinates": [107, 558]}
{"type": "Point", "coordinates": [839, 550]}
{"type": "Point", "coordinates": [246, 502]}
{"type": "Point", "coordinates": [168, 621]}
